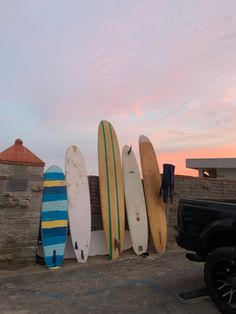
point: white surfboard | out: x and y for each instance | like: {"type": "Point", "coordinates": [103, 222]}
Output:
{"type": "Point", "coordinates": [135, 201]}
{"type": "Point", "coordinates": [79, 207]}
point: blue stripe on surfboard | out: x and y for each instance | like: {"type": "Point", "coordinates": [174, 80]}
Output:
{"type": "Point", "coordinates": [53, 176]}
{"type": "Point", "coordinates": [54, 197]}
{"type": "Point", "coordinates": [54, 168]}
{"type": "Point", "coordinates": [59, 248]}
{"type": "Point", "coordinates": [54, 190]}
{"type": "Point", "coordinates": [54, 215]}
{"type": "Point", "coordinates": [54, 205]}
{"type": "Point", "coordinates": [53, 240]}
{"type": "Point", "coordinates": [49, 260]}
{"type": "Point", "coordinates": [53, 232]}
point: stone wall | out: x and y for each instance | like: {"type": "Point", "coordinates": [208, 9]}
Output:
{"type": "Point", "coordinates": [20, 203]}
{"type": "Point", "coordinates": [95, 203]}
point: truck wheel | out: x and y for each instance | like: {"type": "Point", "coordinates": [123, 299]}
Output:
{"type": "Point", "coordinates": [220, 278]}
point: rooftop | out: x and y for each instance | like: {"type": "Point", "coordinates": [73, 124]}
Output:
{"type": "Point", "coordinates": [227, 163]}
{"type": "Point", "coordinates": [19, 154]}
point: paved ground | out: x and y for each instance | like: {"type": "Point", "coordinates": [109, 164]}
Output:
{"type": "Point", "coordinates": [129, 285]}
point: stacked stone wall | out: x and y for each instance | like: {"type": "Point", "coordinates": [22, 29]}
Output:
{"type": "Point", "coordinates": [20, 202]}
{"type": "Point", "coordinates": [95, 203]}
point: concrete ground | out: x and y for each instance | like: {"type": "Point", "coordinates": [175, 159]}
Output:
{"type": "Point", "coordinates": [131, 284]}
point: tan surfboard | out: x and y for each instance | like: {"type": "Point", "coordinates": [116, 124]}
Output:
{"type": "Point", "coordinates": [111, 188]}
{"type": "Point", "coordinates": [152, 185]}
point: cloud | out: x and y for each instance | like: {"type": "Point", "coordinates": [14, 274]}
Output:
{"type": "Point", "coordinates": [166, 70]}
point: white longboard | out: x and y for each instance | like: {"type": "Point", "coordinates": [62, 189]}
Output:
{"type": "Point", "coordinates": [135, 201]}
{"type": "Point", "coordinates": [79, 207]}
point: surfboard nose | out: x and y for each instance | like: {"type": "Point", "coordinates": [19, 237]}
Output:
{"type": "Point", "coordinates": [143, 139]}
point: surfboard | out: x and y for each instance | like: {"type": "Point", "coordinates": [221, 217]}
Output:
{"type": "Point", "coordinates": [152, 185]}
{"type": "Point", "coordinates": [111, 188]}
{"type": "Point", "coordinates": [54, 216]}
{"type": "Point", "coordinates": [134, 201]}
{"type": "Point", "coordinates": [79, 207]}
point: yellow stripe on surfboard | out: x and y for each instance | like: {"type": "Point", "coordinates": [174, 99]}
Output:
{"type": "Point", "coordinates": [54, 224]}
{"type": "Point", "coordinates": [54, 183]}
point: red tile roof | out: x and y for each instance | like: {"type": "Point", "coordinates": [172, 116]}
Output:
{"type": "Point", "coordinates": [19, 154]}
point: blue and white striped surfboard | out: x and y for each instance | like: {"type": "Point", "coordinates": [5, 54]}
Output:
{"type": "Point", "coordinates": [54, 217]}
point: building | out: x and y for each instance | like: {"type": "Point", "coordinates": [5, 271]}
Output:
{"type": "Point", "coordinates": [223, 168]}
{"type": "Point", "coordinates": [21, 177]}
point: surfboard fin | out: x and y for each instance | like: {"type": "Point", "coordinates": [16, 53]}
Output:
{"type": "Point", "coordinates": [129, 151]}
{"type": "Point", "coordinates": [82, 255]}
{"type": "Point", "coordinates": [54, 258]}
{"type": "Point", "coordinates": [76, 245]}
{"type": "Point", "coordinates": [117, 245]}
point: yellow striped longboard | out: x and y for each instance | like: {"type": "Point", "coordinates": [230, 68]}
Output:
{"type": "Point", "coordinates": [111, 188]}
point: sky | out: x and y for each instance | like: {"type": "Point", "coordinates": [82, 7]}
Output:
{"type": "Point", "coordinates": [164, 69]}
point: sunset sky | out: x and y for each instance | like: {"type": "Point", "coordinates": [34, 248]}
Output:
{"type": "Point", "coordinates": [165, 69]}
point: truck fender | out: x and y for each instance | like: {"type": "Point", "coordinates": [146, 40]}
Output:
{"type": "Point", "coordinates": [220, 229]}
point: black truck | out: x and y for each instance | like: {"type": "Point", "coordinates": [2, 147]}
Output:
{"type": "Point", "coordinates": [208, 230]}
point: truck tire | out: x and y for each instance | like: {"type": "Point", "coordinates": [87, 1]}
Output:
{"type": "Point", "coordinates": [220, 278]}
